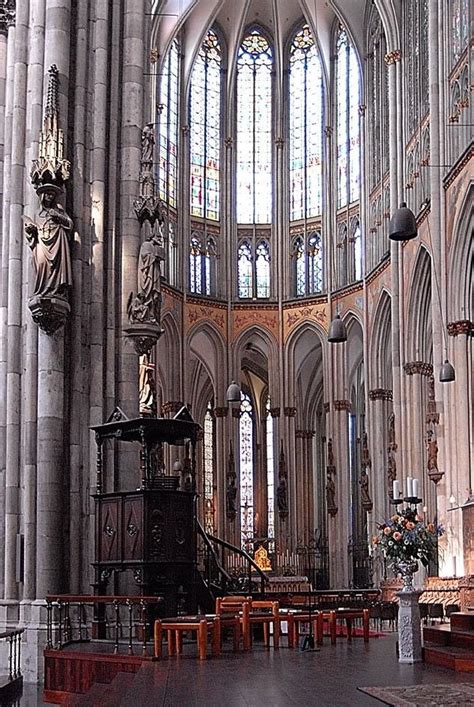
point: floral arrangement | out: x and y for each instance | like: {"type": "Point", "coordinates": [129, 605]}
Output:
{"type": "Point", "coordinates": [407, 538]}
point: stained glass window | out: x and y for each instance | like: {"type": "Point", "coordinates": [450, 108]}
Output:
{"type": "Point", "coordinates": [245, 270]}
{"type": "Point", "coordinates": [195, 280]}
{"type": "Point", "coordinates": [209, 470]}
{"type": "Point", "coordinates": [315, 263]}
{"type": "Point", "coordinates": [201, 265]}
{"type": "Point", "coordinates": [300, 267]}
{"type": "Point", "coordinates": [270, 474]}
{"type": "Point", "coordinates": [347, 119]}
{"type": "Point", "coordinates": [459, 27]}
{"type": "Point", "coordinates": [357, 251]}
{"type": "Point", "coordinates": [246, 439]}
{"type": "Point", "coordinates": [306, 123]}
{"type": "Point", "coordinates": [416, 52]}
{"type": "Point", "coordinates": [262, 269]}
{"type": "Point", "coordinates": [168, 127]}
{"type": "Point", "coordinates": [205, 100]}
{"type": "Point", "coordinates": [254, 129]}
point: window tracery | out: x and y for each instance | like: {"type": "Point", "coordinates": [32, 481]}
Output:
{"type": "Point", "coordinates": [202, 265]}
{"type": "Point", "coordinates": [204, 113]}
{"type": "Point", "coordinates": [254, 129]}
{"type": "Point", "coordinates": [253, 265]}
{"type": "Point", "coordinates": [347, 121]}
{"type": "Point", "coordinates": [168, 127]}
{"type": "Point", "coordinates": [246, 441]}
{"type": "Point", "coordinates": [305, 126]}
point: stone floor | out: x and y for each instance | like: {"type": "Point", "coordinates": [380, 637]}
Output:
{"type": "Point", "coordinates": [285, 677]}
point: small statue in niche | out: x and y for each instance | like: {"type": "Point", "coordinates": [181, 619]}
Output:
{"type": "Point", "coordinates": [331, 461]}
{"type": "Point", "coordinates": [282, 495]}
{"type": "Point", "coordinates": [48, 237]}
{"type": "Point", "coordinates": [365, 460]}
{"type": "Point", "coordinates": [231, 496]}
{"type": "Point", "coordinates": [148, 144]}
{"type": "Point", "coordinates": [365, 499]}
{"type": "Point", "coordinates": [432, 450]}
{"type": "Point", "coordinates": [331, 495]}
{"type": "Point", "coordinates": [147, 387]}
{"type": "Point", "coordinates": [391, 466]}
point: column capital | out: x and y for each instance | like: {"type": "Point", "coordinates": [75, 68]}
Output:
{"type": "Point", "coordinates": [275, 412]}
{"type": "Point", "coordinates": [413, 367]}
{"type": "Point", "coordinates": [289, 411]}
{"type": "Point", "coordinates": [462, 326]}
{"type": "Point", "coordinates": [221, 411]}
{"type": "Point", "coordinates": [342, 405]}
{"type": "Point", "coordinates": [392, 57]}
{"type": "Point", "coordinates": [380, 394]}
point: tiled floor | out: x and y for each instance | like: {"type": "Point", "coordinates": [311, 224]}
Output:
{"type": "Point", "coordinates": [274, 678]}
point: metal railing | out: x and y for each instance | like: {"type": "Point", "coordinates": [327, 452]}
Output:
{"type": "Point", "coordinates": [79, 618]}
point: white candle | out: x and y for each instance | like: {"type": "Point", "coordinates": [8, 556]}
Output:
{"type": "Point", "coordinates": [396, 490]}
{"type": "Point", "coordinates": [409, 487]}
{"type": "Point", "coordinates": [415, 488]}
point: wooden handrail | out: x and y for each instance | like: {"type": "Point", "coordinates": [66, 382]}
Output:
{"type": "Point", "coordinates": [214, 554]}
{"type": "Point", "coordinates": [101, 599]}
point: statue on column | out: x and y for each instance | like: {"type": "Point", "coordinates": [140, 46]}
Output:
{"type": "Point", "coordinates": [231, 488]}
{"type": "Point", "coordinates": [282, 488]}
{"type": "Point", "coordinates": [432, 461]}
{"type": "Point", "coordinates": [144, 307]}
{"type": "Point", "coordinates": [49, 234]}
{"type": "Point", "coordinates": [391, 449]}
{"type": "Point", "coordinates": [331, 495]}
{"type": "Point", "coordinates": [48, 237]}
{"type": "Point", "coordinates": [366, 463]}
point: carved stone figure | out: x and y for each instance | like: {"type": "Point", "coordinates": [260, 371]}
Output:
{"type": "Point", "coordinates": [432, 449]}
{"type": "Point", "coordinates": [48, 238]}
{"type": "Point", "coordinates": [148, 144]}
{"type": "Point", "coordinates": [365, 460]}
{"type": "Point", "coordinates": [282, 495]}
{"type": "Point", "coordinates": [231, 495]}
{"type": "Point", "coordinates": [391, 466]}
{"type": "Point", "coordinates": [331, 461]}
{"type": "Point", "coordinates": [146, 306]}
{"type": "Point", "coordinates": [331, 495]}
{"type": "Point", "coordinates": [147, 387]}
{"type": "Point", "coordinates": [365, 499]}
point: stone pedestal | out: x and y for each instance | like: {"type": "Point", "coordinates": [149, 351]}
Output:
{"type": "Point", "coordinates": [409, 627]}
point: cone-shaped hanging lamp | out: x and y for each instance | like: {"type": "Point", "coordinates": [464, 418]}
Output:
{"type": "Point", "coordinates": [233, 393]}
{"type": "Point", "coordinates": [447, 373]}
{"type": "Point", "coordinates": [337, 331]}
{"type": "Point", "coordinates": [402, 224]}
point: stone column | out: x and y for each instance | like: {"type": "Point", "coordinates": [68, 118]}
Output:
{"type": "Point", "coordinates": [130, 150]}
{"type": "Point", "coordinates": [30, 376]}
{"type": "Point", "coordinates": [79, 459]}
{"type": "Point", "coordinates": [392, 60]}
{"type": "Point", "coordinates": [409, 627]}
{"type": "Point", "coordinates": [52, 484]}
{"type": "Point", "coordinates": [6, 170]}
{"type": "Point", "coordinates": [14, 322]}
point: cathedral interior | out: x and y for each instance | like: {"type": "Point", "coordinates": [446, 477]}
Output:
{"type": "Point", "coordinates": [250, 223]}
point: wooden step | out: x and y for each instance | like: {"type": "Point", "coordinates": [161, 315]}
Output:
{"type": "Point", "coordinates": [437, 634]}
{"type": "Point", "coordinates": [458, 659]}
{"type": "Point", "coordinates": [462, 620]}
{"type": "Point", "coordinates": [104, 695]}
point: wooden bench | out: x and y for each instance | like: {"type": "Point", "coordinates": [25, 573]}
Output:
{"type": "Point", "coordinates": [349, 615]}
{"type": "Point", "coordinates": [175, 627]}
{"type": "Point", "coordinates": [294, 618]}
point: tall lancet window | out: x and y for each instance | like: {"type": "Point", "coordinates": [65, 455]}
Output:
{"type": "Point", "coordinates": [246, 439]}
{"type": "Point", "coordinates": [204, 110]}
{"type": "Point", "coordinates": [270, 474]}
{"type": "Point", "coordinates": [347, 121]}
{"type": "Point", "coordinates": [254, 129]}
{"type": "Point", "coordinates": [209, 470]}
{"type": "Point", "coordinates": [168, 126]}
{"type": "Point", "coordinates": [306, 127]}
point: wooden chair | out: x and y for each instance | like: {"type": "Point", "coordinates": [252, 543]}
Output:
{"type": "Point", "coordinates": [265, 613]}
{"type": "Point", "coordinates": [230, 610]}
{"type": "Point", "coordinates": [295, 618]}
{"type": "Point", "coordinates": [349, 615]}
{"type": "Point", "coordinates": [175, 627]}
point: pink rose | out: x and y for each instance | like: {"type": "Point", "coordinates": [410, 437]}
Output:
{"type": "Point", "coordinates": [397, 535]}
{"type": "Point", "coordinates": [387, 531]}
